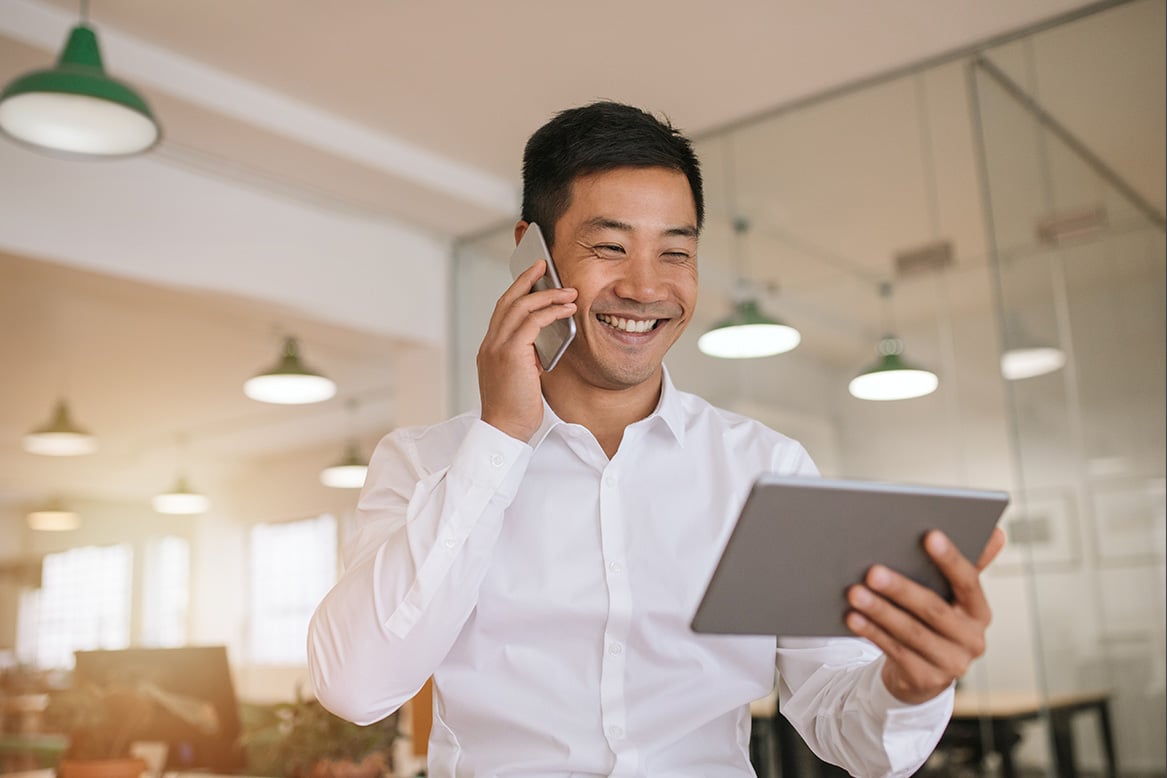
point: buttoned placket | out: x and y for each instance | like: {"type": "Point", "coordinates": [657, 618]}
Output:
{"type": "Point", "coordinates": [613, 657]}
{"type": "Point", "coordinates": [613, 666]}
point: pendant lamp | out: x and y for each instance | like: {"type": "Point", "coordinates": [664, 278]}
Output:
{"type": "Point", "coordinates": [1027, 355]}
{"type": "Point", "coordinates": [53, 517]}
{"type": "Point", "coordinates": [181, 499]}
{"type": "Point", "coordinates": [890, 377]}
{"type": "Point", "coordinates": [289, 382]}
{"type": "Point", "coordinates": [747, 332]}
{"type": "Point", "coordinates": [61, 437]}
{"type": "Point", "coordinates": [1031, 361]}
{"type": "Point", "coordinates": [348, 473]}
{"type": "Point", "coordinates": [75, 109]}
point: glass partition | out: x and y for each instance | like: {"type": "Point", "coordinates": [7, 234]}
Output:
{"type": "Point", "coordinates": [1078, 259]}
{"type": "Point", "coordinates": [991, 229]}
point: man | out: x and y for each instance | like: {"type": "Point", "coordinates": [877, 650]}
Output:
{"type": "Point", "coordinates": [542, 559]}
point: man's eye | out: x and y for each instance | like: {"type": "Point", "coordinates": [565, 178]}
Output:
{"type": "Point", "coordinates": [608, 250]}
{"type": "Point", "coordinates": [677, 255]}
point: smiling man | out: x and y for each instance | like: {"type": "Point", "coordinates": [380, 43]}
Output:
{"type": "Point", "coordinates": [542, 558]}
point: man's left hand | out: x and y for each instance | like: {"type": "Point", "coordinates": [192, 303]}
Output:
{"type": "Point", "coordinates": [928, 642]}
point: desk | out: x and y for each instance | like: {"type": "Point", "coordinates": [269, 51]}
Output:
{"type": "Point", "coordinates": [1004, 710]}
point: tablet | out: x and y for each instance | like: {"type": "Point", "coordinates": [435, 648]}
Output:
{"type": "Point", "coordinates": [800, 543]}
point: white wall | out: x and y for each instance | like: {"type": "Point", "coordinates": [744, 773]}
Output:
{"type": "Point", "coordinates": [145, 219]}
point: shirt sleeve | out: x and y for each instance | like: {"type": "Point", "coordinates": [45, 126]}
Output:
{"type": "Point", "coordinates": [412, 570]}
{"type": "Point", "coordinates": [832, 691]}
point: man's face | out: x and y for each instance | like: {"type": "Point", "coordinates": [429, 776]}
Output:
{"type": "Point", "coordinates": [628, 245]}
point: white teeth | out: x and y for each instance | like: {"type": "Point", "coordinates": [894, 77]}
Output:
{"type": "Point", "coordinates": [627, 325]}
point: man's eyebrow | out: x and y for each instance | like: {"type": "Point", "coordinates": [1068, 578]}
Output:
{"type": "Point", "coordinates": [606, 223]}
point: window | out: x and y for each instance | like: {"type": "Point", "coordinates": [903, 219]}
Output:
{"type": "Point", "coordinates": [293, 565]}
{"type": "Point", "coordinates": [83, 604]}
{"type": "Point", "coordinates": [166, 593]}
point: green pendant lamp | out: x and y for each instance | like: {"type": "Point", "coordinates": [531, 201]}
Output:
{"type": "Point", "coordinates": [61, 437]}
{"type": "Point", "coordinates": [747, 333]}
{"type": "Point", "coordinates": [181, 500]}
{"type": "Point", "coordinates": [890, 377]}
{"type": "Point", "coordinates": [349, 472]}
{"type": "Point", "coordinates": [289, 382]}
{"type": "Point", "coordinates": [75, 109]}
{"type": "Point", "coordinates": [54, 516]}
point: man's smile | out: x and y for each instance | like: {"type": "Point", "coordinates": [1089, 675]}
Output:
{"type": "Point", "coordinates": [628, 325]}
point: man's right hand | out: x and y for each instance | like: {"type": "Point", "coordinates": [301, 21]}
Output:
{"type": "Point", "coordinates": [508, 367]}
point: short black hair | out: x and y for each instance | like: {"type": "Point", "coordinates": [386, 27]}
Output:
{"type": "Point", "coordinates": [591, 139]}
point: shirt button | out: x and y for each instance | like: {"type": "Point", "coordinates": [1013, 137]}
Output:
{"type": "Point", "coordinates": [496, 460]}
{"type": "Point", "coordinates": [616, 568]}
{"type": "Point", "coordinates": [616, 732]}
{"type": "Point", "coordinates": [615, 649]}
{"type": "Point", "coordinates": [609, 480]}
{"type": "Point", "coordinates": [450, 542]}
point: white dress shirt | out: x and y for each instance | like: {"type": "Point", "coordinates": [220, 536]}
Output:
{"type": "Point", "coordinates": [549, 592]}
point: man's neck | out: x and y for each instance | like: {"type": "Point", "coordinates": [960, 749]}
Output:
{"type": "Point", "coordinates": [605, 412]}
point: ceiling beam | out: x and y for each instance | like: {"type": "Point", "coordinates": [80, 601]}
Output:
{"type": "Point", "coordinates": [141, 63]}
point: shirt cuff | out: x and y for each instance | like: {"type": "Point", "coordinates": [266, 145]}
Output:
{"type": "Point", "coordinates": [488, 456]}
{"type": "Point", "coordinates": [910, 731]}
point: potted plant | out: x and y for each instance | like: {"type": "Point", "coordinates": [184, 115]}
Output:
{"type": "Point", "coordinates": [302, 739]}
{"type": "Point", "coordinates": [103, 721]}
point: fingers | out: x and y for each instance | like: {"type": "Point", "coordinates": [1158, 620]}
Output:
{"type": "Point", "coordinates": [928, 641]}
{"type": "Point", "coordinates": [518, 305]}
{"type": "Point", "coordinates": [918, 620]}
{"type": "Point", "coordinates": [907, 674]}
{"type": "Point", "coordinates": [962, 576]}
{"type": "Point", "coordinates": [508, 366]}
{"type": "Point", "coordinates": [992, 548]}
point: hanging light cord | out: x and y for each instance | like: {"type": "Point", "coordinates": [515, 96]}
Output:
{"type": "Point", "coordinates": [739, 227]}
{"type": "Point", "coordinates": [85, 11]}
{"type": "Point", "coordinates": [927, 156]}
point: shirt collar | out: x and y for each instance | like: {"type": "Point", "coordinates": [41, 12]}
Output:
{"type": "Point", "coordinates": [668, 409]}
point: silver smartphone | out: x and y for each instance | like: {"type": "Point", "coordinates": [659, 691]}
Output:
{"type": "Point", "coordinates": [553, 339]}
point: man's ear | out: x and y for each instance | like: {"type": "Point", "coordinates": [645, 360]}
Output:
{"type": "Point", "coordinates": [520, 230]}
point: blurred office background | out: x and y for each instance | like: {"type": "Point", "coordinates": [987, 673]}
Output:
{"type": "Point", "coordinates": [978, 179]}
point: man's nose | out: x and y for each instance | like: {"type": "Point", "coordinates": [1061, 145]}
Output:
{"type": "Point", "coordinates": [640, 280]}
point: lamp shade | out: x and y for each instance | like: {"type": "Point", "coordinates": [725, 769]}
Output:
{"type": "Point", "coordinates": [74, 108]}
{"type": "Point", "coordinates": [1031, 361]}
{"type": "Point", "coordinates": [289, 382]}
{"type": "Point", "coordinates": [748, 333]}
{"type": "Point", "coordinates": [61, 437]}
{"type": "Point", "coordinates": [348, 473]}
{"type": "Point", "coordinates": [53, 517]}
{"type": "Point", "coordinates": [181, 500]}
{"type": "Point", "coordinates": [892, 378]}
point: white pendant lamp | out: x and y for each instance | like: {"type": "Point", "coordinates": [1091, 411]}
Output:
{"type": "Point", "coordinates": [61, 437]}
{"type": "Point", "coordinates": [747, 333]}
{"type": "Point", "coordinates": [289, 382]}
{"type": "Point", "coordinates": [75, 109]}
{"type": "Point", "coordinates": [53, 517]}
{"type": "Point", "coordinates": [1031, 361]}
{"type": "Point", "coordinates": [348, 473]}
{"type": "Point", "coordinates": [181, 500]}
{"type": "Point", "coordinates": [1027, 355]}
{"type": "Point", "coordinates": [892, 378]}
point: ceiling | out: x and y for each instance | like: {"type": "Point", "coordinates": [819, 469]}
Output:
{"type": "Point", "coordinates": [415, 113]}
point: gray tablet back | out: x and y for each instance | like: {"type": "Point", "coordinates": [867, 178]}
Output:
{"type": "Point", "coordinates": [799, 543]}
